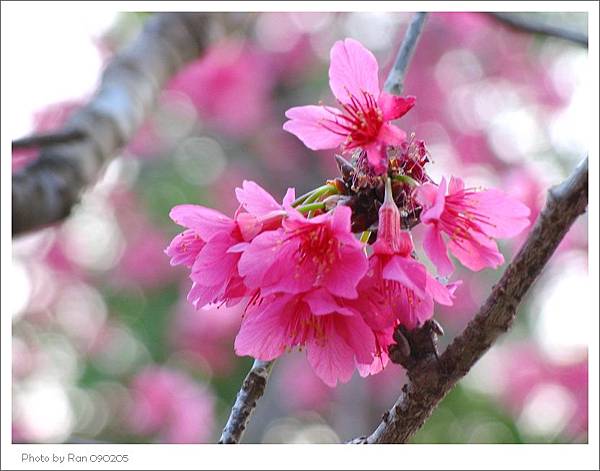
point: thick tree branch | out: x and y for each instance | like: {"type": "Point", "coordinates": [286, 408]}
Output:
{"type": "Point", "coordinates": [395, 80]}
{"type": "Point", "coordinates": [252, 390]}
{"type": "Point", "coordinates": [45, 191]}
{"type": "Point", "coordinates": [431, 379]}
{"type": "Point", "coordinates": [40, 140]}
{"type": "Point", "coordinates": [527, 25]}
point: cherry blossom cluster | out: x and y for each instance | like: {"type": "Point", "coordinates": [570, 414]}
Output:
{"type": "Point", "coordinates": [334, 271]}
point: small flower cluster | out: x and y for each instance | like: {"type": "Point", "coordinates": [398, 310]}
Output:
{"type": "Point", "coordinates": [334, 271]}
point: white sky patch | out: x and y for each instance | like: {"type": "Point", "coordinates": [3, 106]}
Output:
{"type": "Point", "coordinates": [562, 328]}
{"type": "Point", "coordinates": [65, 65]}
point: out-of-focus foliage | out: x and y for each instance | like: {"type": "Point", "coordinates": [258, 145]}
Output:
{"type": "Point", "coordinates": [105, 346]}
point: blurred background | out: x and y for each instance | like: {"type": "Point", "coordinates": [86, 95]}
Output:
{"type": "Point", "coordinates": [107, 350]}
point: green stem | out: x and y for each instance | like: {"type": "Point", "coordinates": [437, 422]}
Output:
{"type": "Point", "coordinates": [311, 207]}
{"type": "Point", "coordinates": [314, 195]}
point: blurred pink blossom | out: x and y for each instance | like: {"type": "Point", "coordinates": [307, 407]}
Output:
{"type": "Point", "coordinates": [168, 403]}
{"type": "Point", "coordinates": [526, 369]}
{"type": "Point", "coordinates": [207, 335]}
{"type": "Point", "coordinates": [230, 86]}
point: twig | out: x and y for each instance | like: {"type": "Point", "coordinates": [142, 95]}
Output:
{"type": "Point", "coordinates": [252, 390]}
{"type": "Point", "coordinates": [61, 136]}
{"type": "Point", "coordinates": [528, 25]}
{"type": "Point", "coordinates": [45, 191]}
{"type": "Point", "coordinates": [430, 380]}
{"type": "Point", "coordinates": [395, 80]}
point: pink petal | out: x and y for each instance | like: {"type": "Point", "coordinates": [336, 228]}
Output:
{"type": "Point", "coordinates": [377, 157]}
{"type": "Point", "coordinates": [391, 135]}
{"type": "Point", "coordinates": [333, 360]}
{"type": "Point", "coordinates": [440, 293]}
{"type": "Point", "coordinates": [408, 273]}
{"type": "Point", "coordinates": [455, 185]}
{"type": "Point", "coordinates": [290, 196]}
{"type": "Point", "coordinates": [352, 71]}
{"type": "Point", "coordinates": [504, 216]}
{"type": "Point", "coordinates": [434, 212]}
{"type": "Point", "coordinates": [358, 336]}
{"type": "Point", "coordinates": [205, 221]}
{"type": "Point", "coordinates": [476, 253]}
{"type": "Point", "coordinates": [184, 248]}
{"type": "Point", "coordinates": [322, 303]}
{"type": "Point", "coordinates": [200, 295]}
{"type": "Point", "coordinates": [214, 265]}
{"type": "Point", "coordinates": [257, 259]}
{"type": "Point", "coordinates": [394, 107]}
{"type": "Point", "coordinates": [343, 278]}
{"type": "Point", "coordinates": [263, 333]}
{"type": "Point", "coordinates": [435, 248]}
{"type": "Point", "coordinates": [255, 199]}
{"type": "Point", "coordinates": [315, 126]}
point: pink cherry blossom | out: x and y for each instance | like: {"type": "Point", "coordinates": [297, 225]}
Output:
{"type": "Point", "coordinates": [305, 254]}
{"type": "Point", "coordinates": [470, 219]}
{"type": "Point", "coordinates": [335, 337]}
{"type": "Point", "coordinates": [365, 114]}
{"type": "Point", "coordinates": [212, 244]}
{"type": "Point", "coordinates": [396, 289]}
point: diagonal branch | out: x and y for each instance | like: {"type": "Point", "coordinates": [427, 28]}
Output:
{"type": "Point", "coordinates": [45, 191]}
{"type": "Point", "coordinates": [524, 24]}
{"type": "Point", "coordinates": [256, 380]}
{"type": "Point", "coordinates": [430, 380]}
{"type": "Point", "coordinates": [252, 390]}
{"type": "Point", "coordinates": [395, 80]}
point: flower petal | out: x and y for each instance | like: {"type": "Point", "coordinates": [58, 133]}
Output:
{"type": "Point", "coordinates": [332, 360]}
{"type": "Point", "coordinates": [315, 126]}
{"type": "Point", "coordinates": [205, 221]}
{"type": "Point", "coordinates": [263, 333]}
{"type": "Point", "coordinates": [435, 248]}
{"type": "Point", "coordinates": [391, 135]}
{"type": "Point", "coordinates": [504, 216]}
{"type": "Point", "coordinates": [255, 199]}
{"type": "Point", "coordinates": [477, 252]}
{"type": "Point", "coordinates": [408, 273]}
{"type": "Point", "coordinates": [393, 106]}
{"type": "Point", "coordinates": [377, 157]}
{"type": "Point", "coordinates": [352, 71]}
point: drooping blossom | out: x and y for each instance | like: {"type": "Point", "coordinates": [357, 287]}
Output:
{"type": "Point", "coordinates": [212, 243]}
{"type": "Point", "coordinates": [397, 289]}
{"type": "Point", "coordinates": [302, 271]}
{"type": "Point", "coordinates": [335, 337]}
{"type": "Point", "coordinates": [166, 403]}
{"type": "Point", "coordinates": [306, 254]}
{"type": "Point", "coordinates": [363, 119]}
{"type": "Point", "coordinates": [470, 219]}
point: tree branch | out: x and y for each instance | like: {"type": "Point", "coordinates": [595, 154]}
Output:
{"type": "Point", "coordinates": [431, 379]}
{"type": "Point", "coordinates": [47, 139]}
{"type": "Point", "coordinates": [45, 191]}
{"type": "Point", "coordinates": [521, 23]}
{"type": "Point", "coordinates": [395, 80]}
{"type": "Point", "coordinates": [252, 390]}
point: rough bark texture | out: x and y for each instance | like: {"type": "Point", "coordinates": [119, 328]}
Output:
{"type": "Point", "coordinates": [431, 379]}
{"type": "Point", "coordinates": [252, 390]}
{"type": "Point", "coordinates": [45, 191]}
